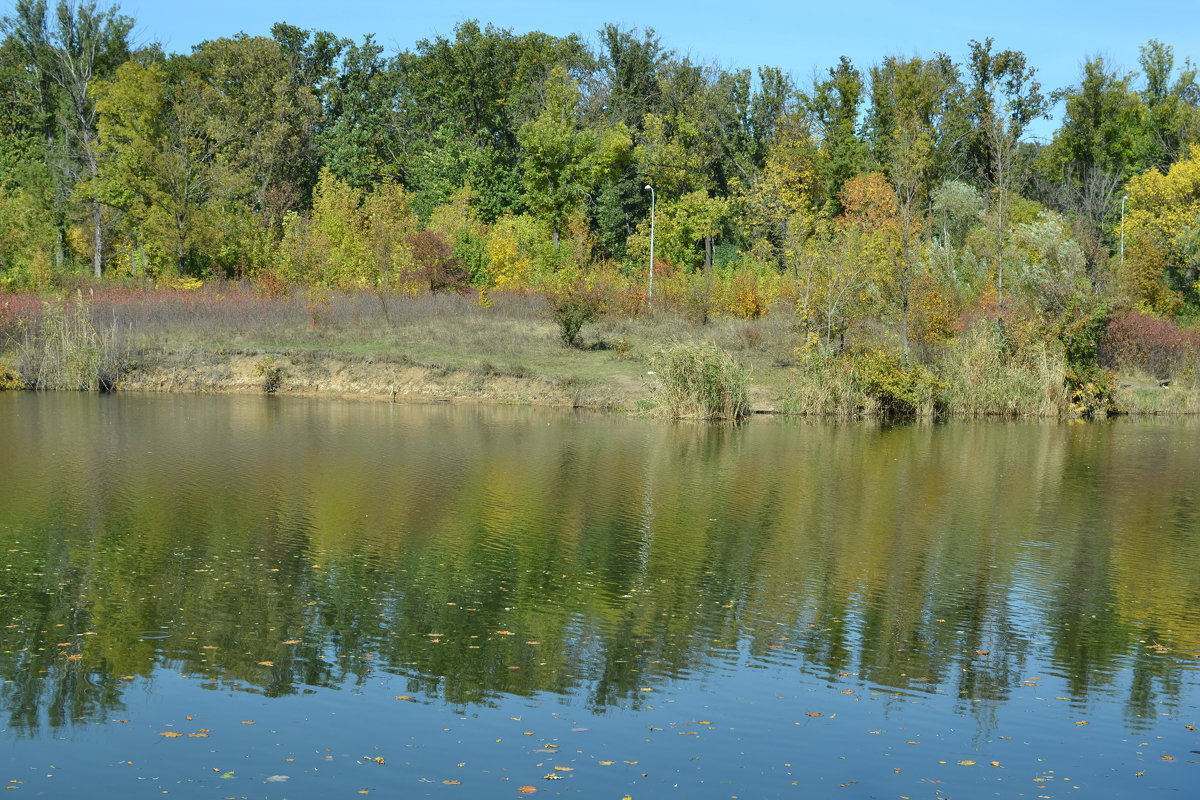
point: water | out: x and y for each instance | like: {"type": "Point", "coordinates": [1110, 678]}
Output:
{"type": "Point", "coordinates": [280, 598]}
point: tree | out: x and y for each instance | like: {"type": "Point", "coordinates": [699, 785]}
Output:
{"type": "Point", "coordinates": [65, 55]}
{"type": "Point", "coordinates": [1163, 212]}
{"type": "Point", "coordinates": [1172, 110]}
{"type": "Point", "coordinates": [160, 163]}
{"type": "Point", "coordinates": [560, 166]}
{"type": "Point", "coordinates": [1005, 98]}
{"type": "Point", "coordinates": [260, 105]}
{"type": "Point", "coordinates": [834, 105]}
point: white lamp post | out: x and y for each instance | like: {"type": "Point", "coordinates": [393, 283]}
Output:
{"type": "Point", "coordinates": [653, 200]}
{"type": "Point", "coordinates": [1123, 199]}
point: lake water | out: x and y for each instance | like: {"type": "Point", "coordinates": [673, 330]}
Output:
{"type": "Point", "coordinates": [254, 597]}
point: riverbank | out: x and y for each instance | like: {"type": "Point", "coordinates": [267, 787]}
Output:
{"type": "Point", "coordinates": [230, 338]}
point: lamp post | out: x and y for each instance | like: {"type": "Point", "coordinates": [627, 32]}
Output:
{"type": "Point", "coordinates": [1123, 199]}
{"type": "Point", "coordinates": [653, 201]}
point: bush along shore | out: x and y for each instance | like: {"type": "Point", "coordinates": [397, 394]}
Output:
{"type": "Point", "coordinates": [594, 346]}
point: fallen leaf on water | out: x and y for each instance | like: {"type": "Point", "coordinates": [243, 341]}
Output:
{"type": "Point", "coordinates": [266, 663]}
{"type": "Point", "coordinates": [605, 763]}
{"type": "Point", "coordinates": [631, 762]}
{"type": "Point", "coordinates": [966, 762]}
{"type": "Point", "coordinates": [982, 652]}
{"type": "Point", "coordinates": [378, 760]}
{"type": "Point", "coordinates": [564, 769]}
{"type": "Point", "coordinates": [404, 697]}
{"type": "Point", "coordinates": [1082, 722]}
{"type": "Point", "coordinates": [171, 734]}
{"type": "Point", "coordinates": [291, 641]}
{"type": "Point", "coordinates": [848, 783]}
{"type": "Point", "coordinates": [994, 763]}
{"type": "Point", "coordinates": [847, 691]}
{"type": "Point", "coordinates": [552, 777]}
{"type": "Point", "coordinates": [198, 735]}
{"type": "Point", "coordinates": [452, 782]}
{"type": "Point", "coordinates": [813, 714]}
{"type": "Point", "coordinates": [526, 789]}
{"type": "Point", "coordinates": [1167, 757]}
{"type": "Point", "coordinates": [247, 722]}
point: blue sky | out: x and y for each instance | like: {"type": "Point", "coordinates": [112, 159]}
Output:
{"type": "Point", "coordinates": [798, 36]}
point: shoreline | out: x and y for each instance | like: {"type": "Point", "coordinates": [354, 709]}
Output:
{"type": "Point", "coordinates": [390, 377]}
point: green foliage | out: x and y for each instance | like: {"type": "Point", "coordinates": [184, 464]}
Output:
{"type": "Point", "coordinates": [700, 382]}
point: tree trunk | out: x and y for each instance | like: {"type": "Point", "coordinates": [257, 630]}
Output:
{"type": "Point", "coordinates": [708, 253]}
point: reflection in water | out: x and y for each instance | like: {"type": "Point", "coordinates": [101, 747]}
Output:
{"type": "Point", "coordinates": [477, 553]}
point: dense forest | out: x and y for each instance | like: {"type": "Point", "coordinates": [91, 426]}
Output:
{"type": "Point", "coordinates": [903, 197]}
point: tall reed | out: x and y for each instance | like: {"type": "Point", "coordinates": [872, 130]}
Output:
{"type": "Point", "coordinates": [697, 381]}
{"type": "Point", "coordinates": [64, 350]}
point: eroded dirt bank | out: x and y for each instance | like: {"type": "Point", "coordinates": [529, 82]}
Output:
{"type": "Point", "coordinates": [373, 377]}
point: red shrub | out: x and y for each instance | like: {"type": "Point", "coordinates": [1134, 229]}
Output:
{"type": "Point", "coordinates": [1156, 346]}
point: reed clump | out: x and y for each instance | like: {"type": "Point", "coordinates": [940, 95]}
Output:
{"type": "Point", "coordinates": [700, 381]}
{"type": "Point", "coordinates": [63, 350]}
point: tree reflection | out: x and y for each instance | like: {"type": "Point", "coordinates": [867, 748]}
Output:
{"type": "Point", "coordinates": [480, 553]}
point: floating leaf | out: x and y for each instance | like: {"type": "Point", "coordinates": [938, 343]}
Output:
{"type": "Point", "coordinates": [526, 789]}
{"type": "Point", "coordinates": [606, 763]}
{"type": "Point", "coordinates": [198, 735]}
{"type": "Point", "coordinates": [247, 722]}
{"type": "Point", "coordinates": [564, 769]}
{"type": "Point", "coordinates": [452, 782]}
{"type": "Point", "coordinates": [171, 734]}
{"type": "Point", "coordinates": [552, 777]}
{"type": "Point", "coordinates": [291, 641]}
{"type": "Point", "coordinates": [404, 697]}
{"type": "Point", "coordinates": [1082, 722]}
{"type": "Point", "coordinates": [994, 763]}
{"type": "Point", "coordinates": [966, 762]}
{"type": "Point", "coordinates": [813, 714]}
{"type": "Point", "coordinates": [266, 663]}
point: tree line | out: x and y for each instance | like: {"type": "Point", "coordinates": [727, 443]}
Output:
{"type": "Point", "coordinates": [488, 158]}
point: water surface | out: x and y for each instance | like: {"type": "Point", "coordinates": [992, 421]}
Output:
{"type": "Point", "coordinates": [281, 598]}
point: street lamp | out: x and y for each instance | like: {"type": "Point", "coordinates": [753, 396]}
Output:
{"type": "Point", "coordinates": [1123, 199]}
{"type": "Point", "coordinates": [653, 200]}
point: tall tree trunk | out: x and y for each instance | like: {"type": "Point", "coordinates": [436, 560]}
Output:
{"type": "Point", "coordinates": [708, 253]}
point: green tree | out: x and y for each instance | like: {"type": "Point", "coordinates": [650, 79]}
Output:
{"type": "Point", "coordinates": [560, 166]}
{"type": "Point", "coordinates": [1005, 97]}
{"type": "Point", "coordinates": [834, 105]}
{"type": "Point", "coordinates": [66, 53]}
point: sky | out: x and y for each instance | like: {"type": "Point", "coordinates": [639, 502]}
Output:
{"type": "Point", "coordinates": [801, 37]}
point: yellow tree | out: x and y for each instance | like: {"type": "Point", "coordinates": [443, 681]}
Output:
{"type": "Point", "coordinates": [1163, 214]}
{"type": "Point", "coordinates": [780, 200]}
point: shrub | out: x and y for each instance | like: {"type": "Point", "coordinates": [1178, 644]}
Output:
{"type": "Point", "coordinates": [437, 262]}
{"type": "Point", "coordinates": [871, 382]}
{"type": "Point", "coordinates": [700, 382]}
{"type": "Point", "coordinates": [572, 306]}
{"type": "Point", "coordinates": [1158, 347]}
{"type": "Point", "coordinates": [272, 374]}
